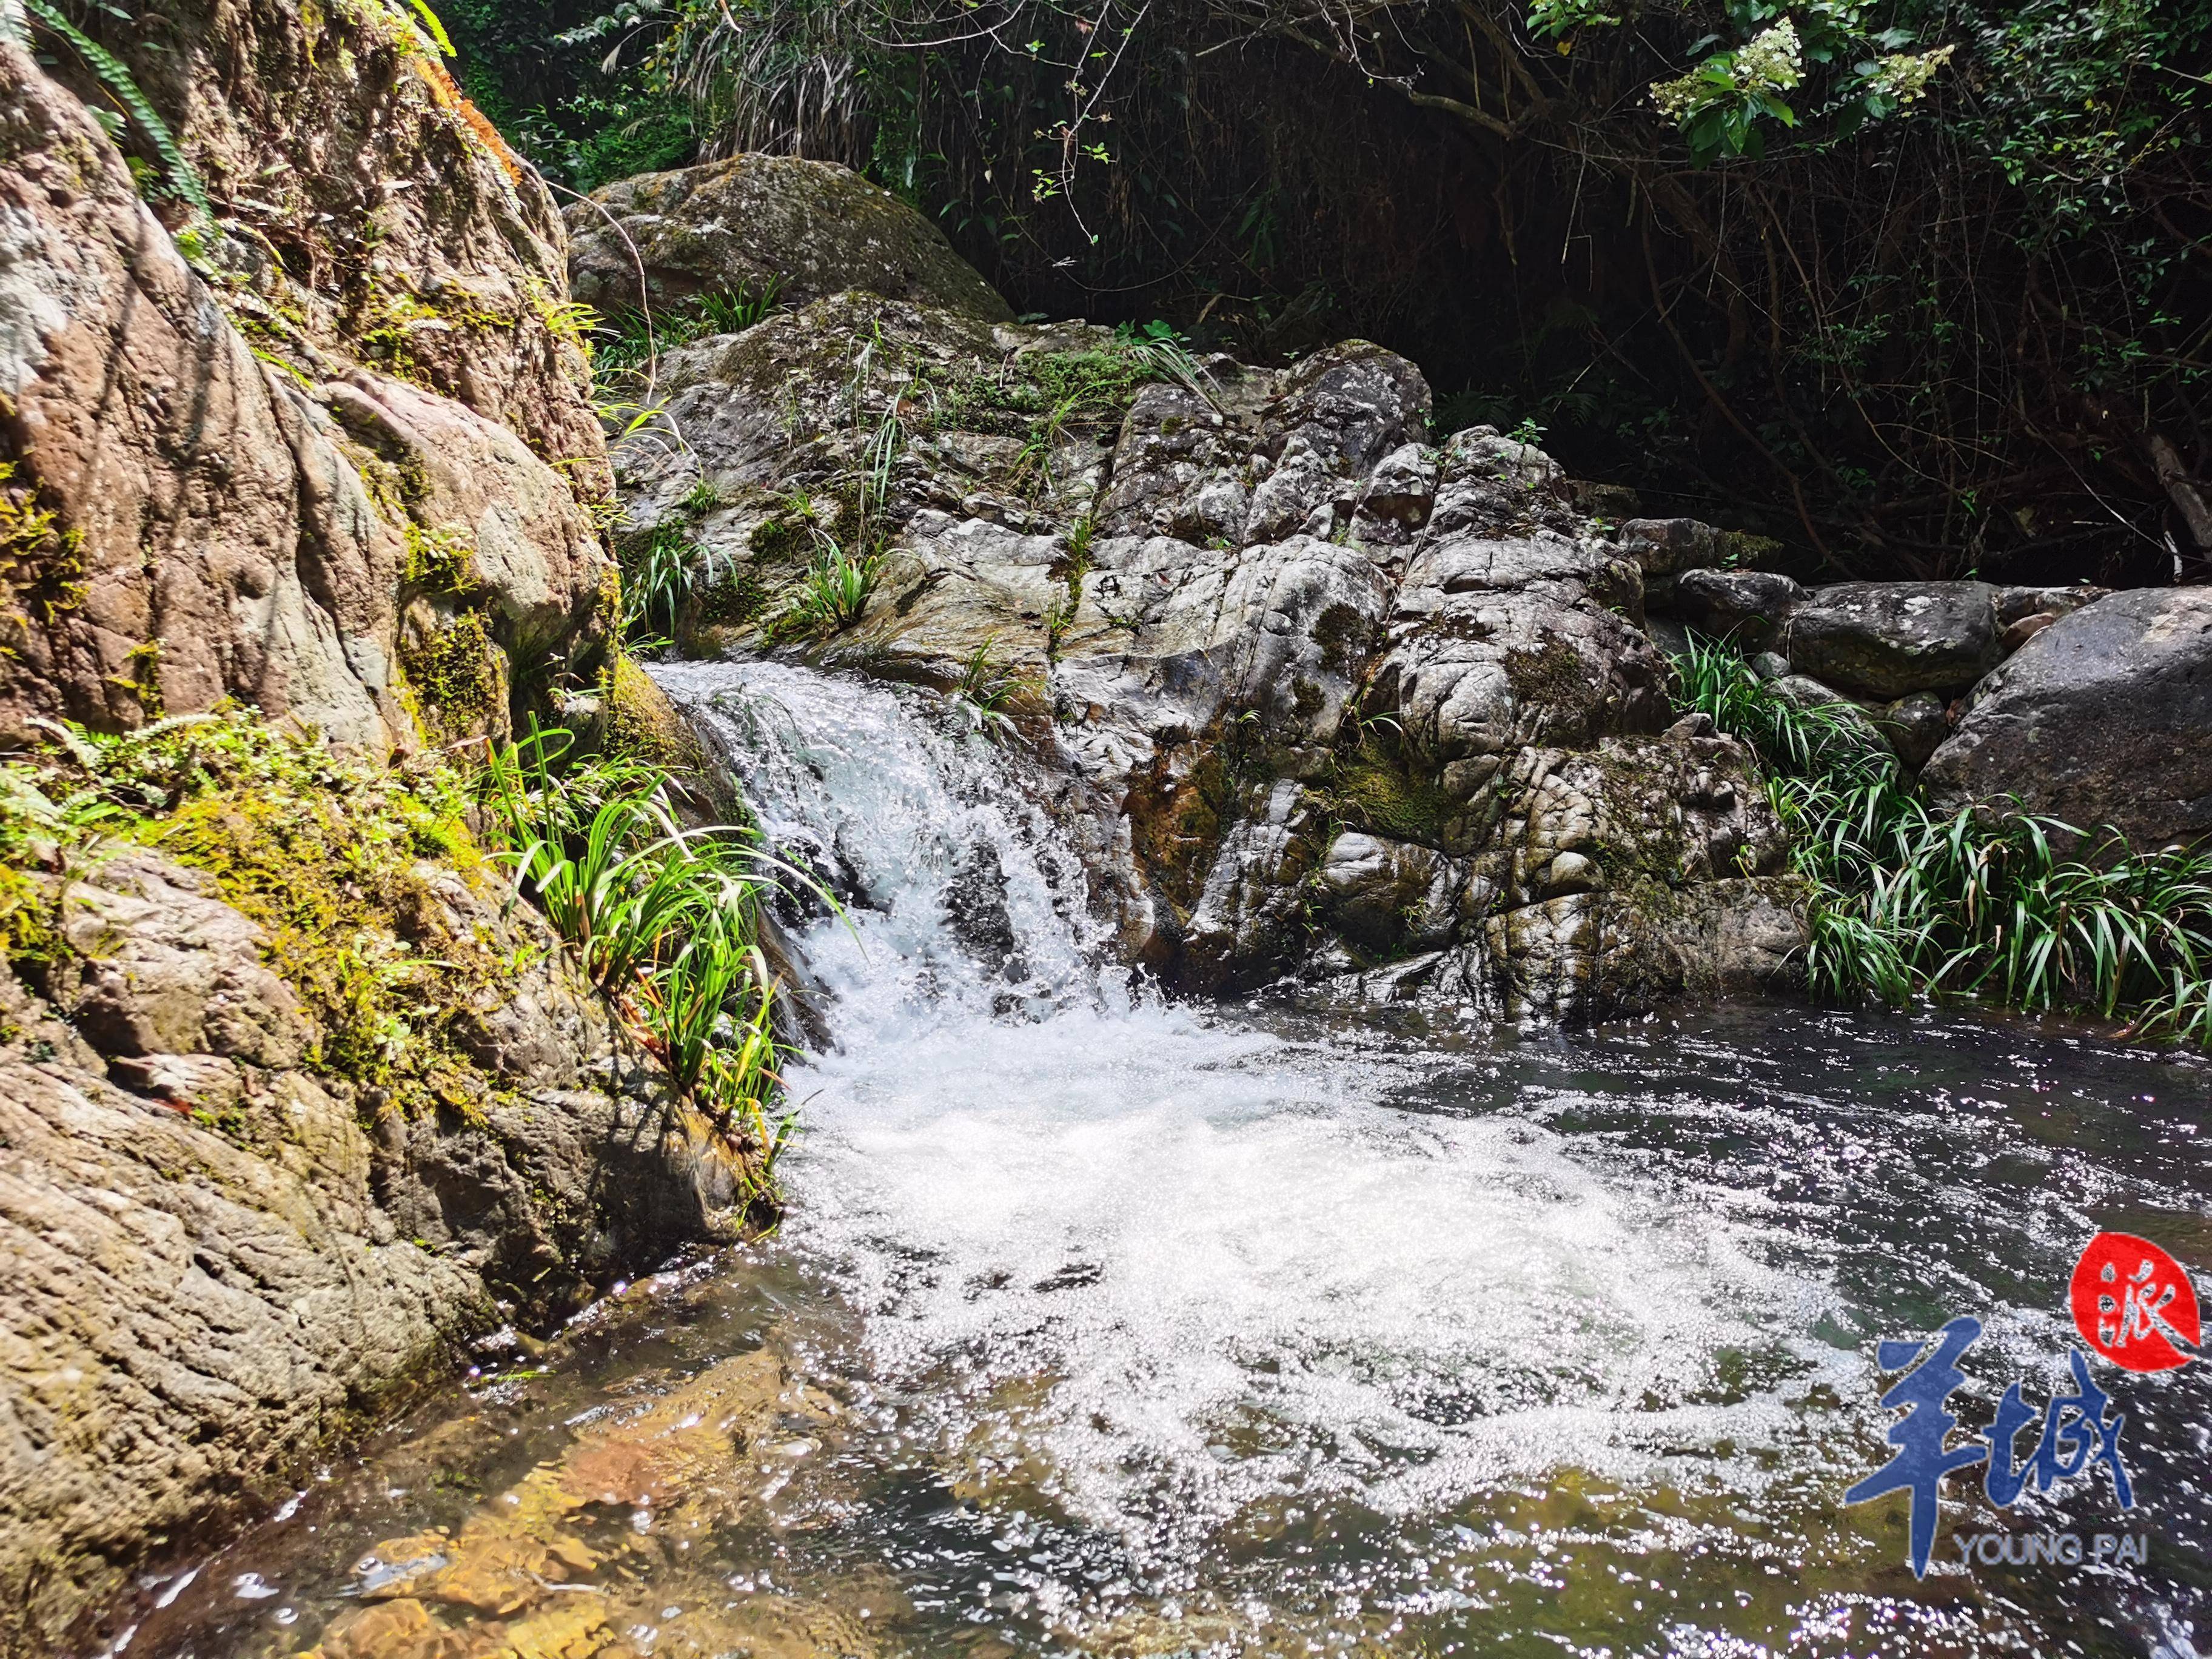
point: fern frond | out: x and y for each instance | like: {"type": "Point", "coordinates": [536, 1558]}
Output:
{"type": "Point", "coordinates": [436, 29]}
{"type": "Point", "coordinates": [117, 79]}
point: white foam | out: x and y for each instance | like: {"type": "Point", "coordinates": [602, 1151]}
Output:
{"type": "Point", "coordinates": [1176, 1264]}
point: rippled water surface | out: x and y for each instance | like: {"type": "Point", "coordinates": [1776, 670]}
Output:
{"type": "Point", "coordinates": [1100, 1325]}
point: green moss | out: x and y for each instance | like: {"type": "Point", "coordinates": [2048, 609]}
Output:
{"type": "Point", "coordinates": [385, 323]}
{"type": "Point", "coordinates": [1176, 825]}
{"type": "Point", "coordinates": [438, 560]}
{"type": "Point", "coordinates": [1372, 790]}
{"type": "Point", "coordinates": [28, 933]}
{"type": "Point", "coordinates": [458, 676]}
{"type": "Point", "coordinates": [1553, 672]}
{"type": "Point", "coordinates": [607, 602]}
{"type": "Point", "coordinates": [141, 677]}
{"type": "Point", "coordinates": [332, 859]}
{"type": "Point", "coordinates": [395, 484]}
{"type": "Point", "coordinates": [740, 597]}
{"type": "Point", "coordinates": [1339, 631]}
{"type": "Point", "coordinates": [643, 725]}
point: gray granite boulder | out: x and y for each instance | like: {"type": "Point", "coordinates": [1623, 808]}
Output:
{"type": "Point", "coordinates": [1888, 640]}
{"type": "Point", "coordinates": [1324, 694]}
{"type": "Point", "coordinates": [2101, 719]}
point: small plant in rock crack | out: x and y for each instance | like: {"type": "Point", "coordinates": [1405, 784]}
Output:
{"type": "Point", "coordinates": [986, 693]}
{"type": "Point", "coordinates": [657, 580]}
{"type": "Point", "coordinates": [1363, 728]}
{"type": "Point", "coordinates": [834, 589]}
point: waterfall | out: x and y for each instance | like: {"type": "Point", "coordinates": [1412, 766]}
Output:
{"type": "Point", "coordinates": [959, 899]}
{"type": "Point", "coordinates": [1103, 1233]}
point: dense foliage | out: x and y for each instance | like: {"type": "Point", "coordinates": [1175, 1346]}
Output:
{"type": "Point", "coordinates": [1921, 285]}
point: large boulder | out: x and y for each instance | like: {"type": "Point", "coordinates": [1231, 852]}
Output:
{"type": "Point", "coordinates": [353, 518]}
{"type": "Point", "coordinates": [1888, 640]}
{"type": "Point", "coordinates": [1665, 548]}
{"type": "Point", "coordinates": [2099, 719]}
{"type": "Point", "coordinates": [1327, 697]}
{"type": "Point", "coordinates": [224, 1255]}
{"type": "Point", "coordinates": [812, 228]}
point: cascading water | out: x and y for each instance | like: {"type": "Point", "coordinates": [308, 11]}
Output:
{"type": "Point", "coordinates": [1201, 1230]}
{"type": "Point", "coordinates": [1116, 1326]}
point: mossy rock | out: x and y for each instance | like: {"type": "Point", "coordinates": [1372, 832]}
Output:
{"type": "Point", "coordinates": [456, 677]}
{"type": "Point", "coordinates": [811, 227]}
{"type": "Point", "coordinates": [1374, 791]}
{"type": "Point", "coordinates": [1175, 826]}
{"type": "Point", "coordinates": [641, 723]}
{"type": "Point", "coordinates": [1551, 675]}
{"type": "Point", "coordinates": [337, 861]}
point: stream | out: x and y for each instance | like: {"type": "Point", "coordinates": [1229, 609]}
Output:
{"type": "Point", "coordinates": [1106, 1325]}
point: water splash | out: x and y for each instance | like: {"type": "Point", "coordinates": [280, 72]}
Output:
{"type": "Point", "coordinates": [1168, 1266]}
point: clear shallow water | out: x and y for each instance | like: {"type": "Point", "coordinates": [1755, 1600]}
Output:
{"type": "Point", "coordinates": [1103, 1325]}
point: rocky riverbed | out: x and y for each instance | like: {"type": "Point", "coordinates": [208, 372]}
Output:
{"type": "Point", "coordinates": [300, 1105]}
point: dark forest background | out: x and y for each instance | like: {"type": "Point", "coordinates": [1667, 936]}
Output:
{"type": "Point", "coordinates": [1919, 287]}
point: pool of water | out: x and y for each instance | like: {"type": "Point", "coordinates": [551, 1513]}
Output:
{"type": "Point", "coordinates": [1104, 1326]}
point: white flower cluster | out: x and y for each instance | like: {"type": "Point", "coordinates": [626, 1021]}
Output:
{"type": "Point", "coordinates": [1771, 61]}
{"type": "Point", "coordinates": [1680, 100]}
{"type": "Point", "coordinates": [1905, 76]}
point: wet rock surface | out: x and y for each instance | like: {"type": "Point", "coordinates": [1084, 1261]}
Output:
{"type": "Point", "coordinates": [1327, 695]}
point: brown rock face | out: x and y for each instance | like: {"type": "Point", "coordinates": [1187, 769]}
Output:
{"type": "Point", "coordinates": [339, 465]}
{"type": "Point", "coordinates": [190, 515]}
{"type": "Point", "coordinates": [221, 1258]}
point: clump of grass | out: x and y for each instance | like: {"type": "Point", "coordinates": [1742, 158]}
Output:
{"type": "Point", "coordinates": [659, 571]}
{"type": "Point", "coordinates": [986, 693]}
{"type": "Point", "coordinates": [664, 920]}
{"type": "Point", "coordinates": [2006, 906]}
{"type": "Point", "coordinates": [833, 590]}
{"type": "Point", "coordinates": [629, 340]}
{"type": "Point", "coordinates": [1041, 397]}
